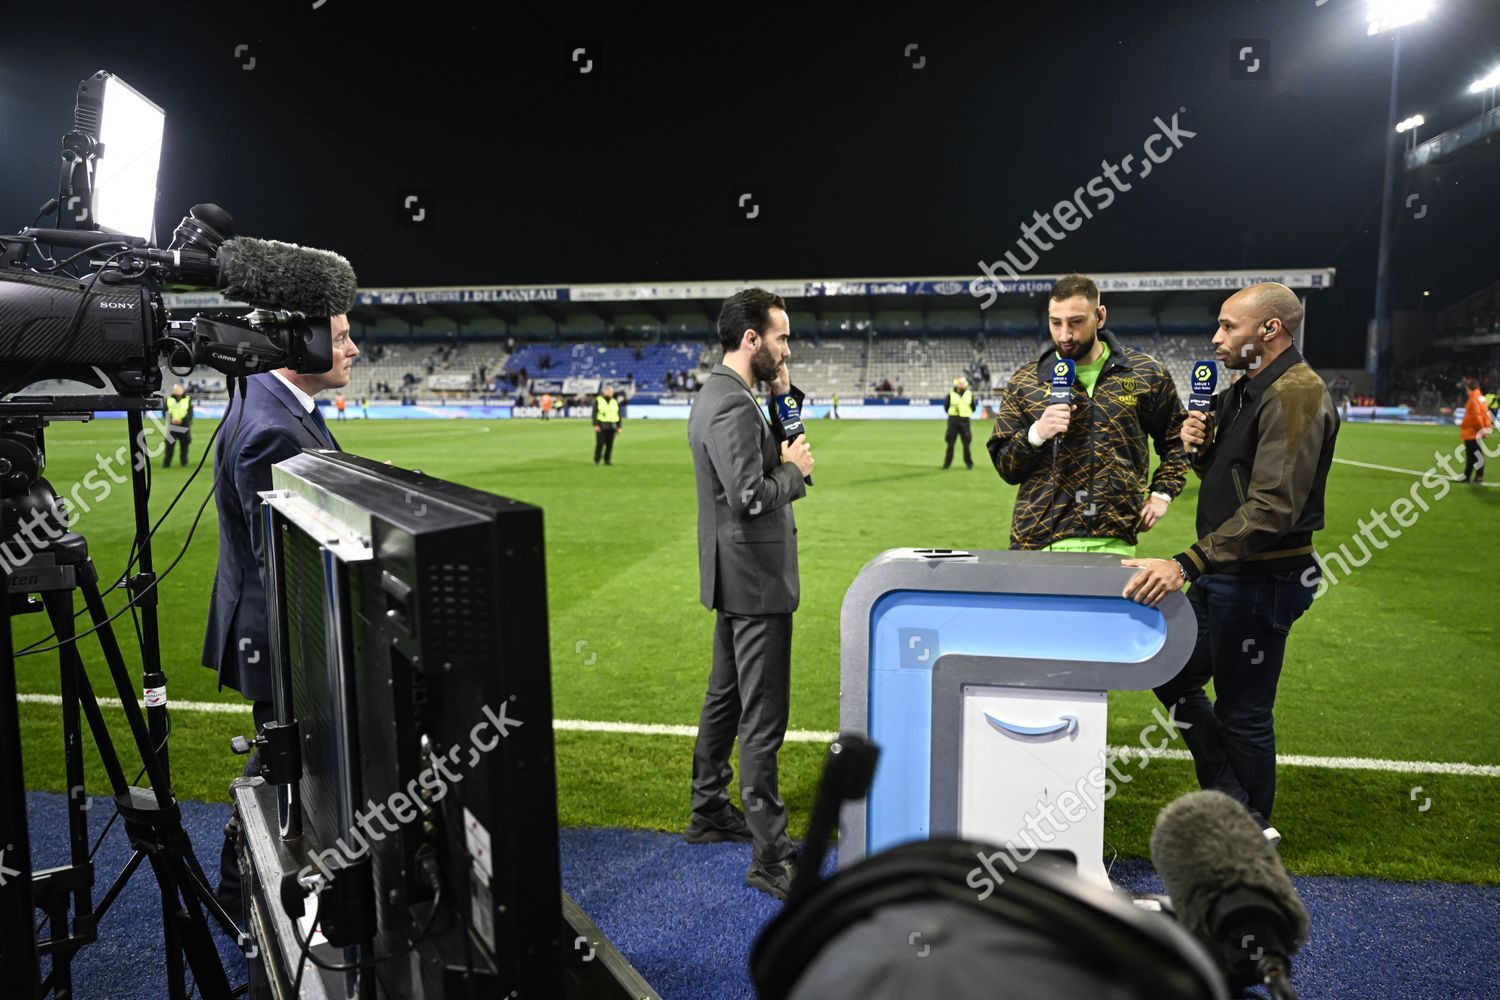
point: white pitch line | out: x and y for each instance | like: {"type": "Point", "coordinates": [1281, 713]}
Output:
{"type": "Point", "coordinates": [821, 736]}
{"type": "Point", "coordinates": [1392, 468]}
{"type": "Point", "coordinates": [212, 707]}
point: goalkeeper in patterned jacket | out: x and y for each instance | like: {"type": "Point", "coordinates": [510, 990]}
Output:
{"type": "Point", "coordinates": [1084, 468]}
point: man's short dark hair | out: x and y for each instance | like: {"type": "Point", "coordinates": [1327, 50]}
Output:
{"type": "Point", "coordinates": [746, 310]}
{"type": "Point", "coordinates": [1070, 285]}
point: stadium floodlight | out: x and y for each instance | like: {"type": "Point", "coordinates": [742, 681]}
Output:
{"type": "Point", "coordinates": [1387, 15]}
{"type": "Point", "coordinates": [1411, 122]}
{"type": "Point", "coordinates": [1489, 81]}
{"type": "Point", "coordinates": [130, 131]}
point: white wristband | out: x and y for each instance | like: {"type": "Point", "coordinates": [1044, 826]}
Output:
{"type": "Point", "coordinates": [1164, 497]}
{"type": "Point", "coordinates": [1034, 437]}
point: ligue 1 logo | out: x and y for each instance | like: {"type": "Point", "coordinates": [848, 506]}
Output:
{"type": "Point", "coordinates": [1205, 377]}
{"type": "Point", "coordinates": [1060, 370]}
{"type": "Point", "coordinates": [790, 414]}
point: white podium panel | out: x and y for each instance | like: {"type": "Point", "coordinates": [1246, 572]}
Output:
{"type": "Point", "coordinates": [1025, 763]}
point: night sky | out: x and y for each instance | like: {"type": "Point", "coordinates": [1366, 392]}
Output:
{"type": "Point", "coordinates": [866, 160]}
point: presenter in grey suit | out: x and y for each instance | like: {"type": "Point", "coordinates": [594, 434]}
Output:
{"type": "Point", "coordinates": [747, 572]}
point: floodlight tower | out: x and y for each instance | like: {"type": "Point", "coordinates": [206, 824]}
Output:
{"type": "Point", "coordinates": [1387, 16]}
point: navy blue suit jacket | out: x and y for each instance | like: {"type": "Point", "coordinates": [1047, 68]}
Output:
{"type": "Point", "coordinates": [269, 425]}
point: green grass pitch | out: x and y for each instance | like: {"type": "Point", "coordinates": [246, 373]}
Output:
{"type": "Point", "coordinates": [1396, 662]}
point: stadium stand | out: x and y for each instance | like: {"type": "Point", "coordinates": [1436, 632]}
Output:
{"type": "Point", "coordinates": [648, 364]}
{"type": "Point", "coordinates": [852, 367]}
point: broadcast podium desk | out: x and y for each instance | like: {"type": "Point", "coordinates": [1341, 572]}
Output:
{"type": "Point", "coordinates": [984, 677]}
{"type": "Point", "coordinates": [595, 968]}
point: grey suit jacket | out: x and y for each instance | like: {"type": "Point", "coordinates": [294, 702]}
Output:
{"type": "Point", "coordinates": [747, 539]}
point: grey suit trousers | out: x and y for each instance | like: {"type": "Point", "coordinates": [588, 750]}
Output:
{"type": "Point", "coordinates": [749, 691]}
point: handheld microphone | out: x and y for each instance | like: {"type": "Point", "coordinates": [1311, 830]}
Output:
{"type": "Point", "coordinates": [790, 414]}
{"type": "Point", "coordinates": [1228, 887]}
{"type": "Point", "coordinates": [1063, 374]}
{"type": "Point", "coordinates": [1205, 376]}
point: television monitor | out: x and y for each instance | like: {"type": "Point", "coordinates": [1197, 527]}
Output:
{"type": "Point", "coordinates": [409, 629]}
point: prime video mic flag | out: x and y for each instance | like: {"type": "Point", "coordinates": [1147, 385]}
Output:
{"type": "Point", "coordinates": [790, 415]}
{"type": "Point", "coordinates": [1202, 379]}
{"type": "Point", "coordinates": [1063, 374]}
{"type": "Point", "coordinates": [1205, 376]}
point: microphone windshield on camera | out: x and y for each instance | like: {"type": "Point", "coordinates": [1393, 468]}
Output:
{"type": "Point", "coordinates": [1227, 884]}
{"type": "Point", "coordinates": [275, 275]}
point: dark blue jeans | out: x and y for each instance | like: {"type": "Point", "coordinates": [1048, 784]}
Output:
{"type": "Point", "coordinates": [1243, 622]}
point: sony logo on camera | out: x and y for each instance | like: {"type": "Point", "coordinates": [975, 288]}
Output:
{"type": "Point", "coordinates": [115, 304]}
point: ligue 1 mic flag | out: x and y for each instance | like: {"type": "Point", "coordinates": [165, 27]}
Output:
{"type": "Point", "coordinates": [790, 415]}
{"type": "Point", "coordinates": [1205, 376]}
{"type": "Point", "coordinates": [1063, 374]}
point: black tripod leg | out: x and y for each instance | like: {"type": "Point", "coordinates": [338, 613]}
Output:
{"type": "Point", "coordinates": [88, 583]}
{"type": "Point", "coordinates": [185, 929]}
{"type": "Point", "coordinates": [84, 692]}
{"type": "Point", "coordinates": [60, 610]}
{"type": "Point", "coordinates": [195, 880]}
{"type": "Point", "coordinates": [59, 605]}
{"type": "Point", "coordinates": [18, 955]}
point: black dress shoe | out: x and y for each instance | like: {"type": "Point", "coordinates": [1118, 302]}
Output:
{"type": "Point", "coordinates": [775, 878]}
{"type": "Point", "coordinates": [727, 825]}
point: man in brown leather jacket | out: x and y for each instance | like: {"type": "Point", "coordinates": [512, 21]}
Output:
{"type": "Point", "coordinates": [1263, 456]}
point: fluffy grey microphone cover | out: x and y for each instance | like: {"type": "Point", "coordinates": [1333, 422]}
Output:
{"type": "Point", "coordinates": [276, 275]}
{"type": "Point", "coordinates": [1206, 845]}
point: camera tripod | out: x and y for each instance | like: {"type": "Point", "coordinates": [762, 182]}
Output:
{"type": "Point", "coordinates": [54, 568]}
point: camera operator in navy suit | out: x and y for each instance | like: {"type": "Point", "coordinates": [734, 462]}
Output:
{"type": "Point", "coordinates": [276, 420]}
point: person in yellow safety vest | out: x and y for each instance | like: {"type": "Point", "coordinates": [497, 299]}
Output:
{"type": "Point", "coordinates": [960, 409]}
{"type": "Point", "coordinates": [179, 407]}
{"type": "Point", "coordinates": [607, 424]}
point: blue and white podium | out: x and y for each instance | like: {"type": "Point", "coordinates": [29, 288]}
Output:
{"type": "Point", "coordinates": [983, 678]}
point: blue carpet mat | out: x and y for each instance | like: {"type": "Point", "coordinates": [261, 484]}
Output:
{"type": "Point", "coordinates": [684, 917]}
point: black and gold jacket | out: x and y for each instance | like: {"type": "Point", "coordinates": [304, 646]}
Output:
{"type": "Point", "coordinates": [1097, 483]}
